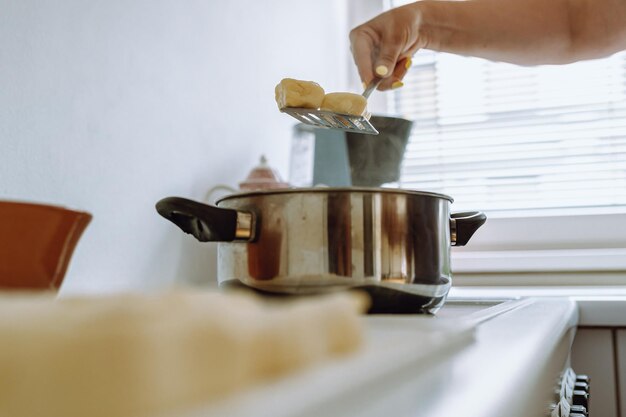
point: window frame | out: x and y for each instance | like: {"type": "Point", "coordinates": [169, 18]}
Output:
{"type": "Point", "coordinates": [540, 243]}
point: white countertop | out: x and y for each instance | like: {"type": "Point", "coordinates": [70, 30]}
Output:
{"type": "Point", "coordinates": [598, 306]}
{"type": "Point", "coordinates": [508, 368]}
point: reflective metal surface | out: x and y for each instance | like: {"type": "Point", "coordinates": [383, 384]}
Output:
{"type": "Point", "coordinates": [331, 120]}
{"type": "Point", "coordinates": [330, 238]}
{"type": "Point", "coordinates": [325, 190]}
{"type": "Point", "coordinates": [244, 229]}
{"type": "Point", "coordinates": [394, 244]}
{"type": "Point", "coordinates": [453, 231]}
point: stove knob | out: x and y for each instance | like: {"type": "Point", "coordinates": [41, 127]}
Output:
{"type": "Point", "coordinates": [581, 386]}
{"type": "Point", "coordinates": [582, 378]}
{"type": "Point", "coordinates": [578, 409]}
{"type": "Point", "coordinates": [581, 398]}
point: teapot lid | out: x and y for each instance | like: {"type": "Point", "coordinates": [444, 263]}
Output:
{"type": "Point", "coordinates": [263, 177]}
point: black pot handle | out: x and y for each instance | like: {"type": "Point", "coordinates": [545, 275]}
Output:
{"type": "Point", "coordinates": [207, 223]}
{"type": "Point", "coordinates": [464, 225]}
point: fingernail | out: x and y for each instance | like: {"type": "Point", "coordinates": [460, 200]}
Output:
{"type": "Point", "coordinates": [396, 84]}
{"type": "Point", "coordinates": [408, 63]}
{"type": "Point", "coordinates": [382, 70]}
{"type": "Point", "coordinates": [364, 84]}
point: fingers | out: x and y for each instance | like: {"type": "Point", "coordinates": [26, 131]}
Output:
{"type": "Point", "coordinates": [379, 55]}
{"type": "Point", "coordinates": [362, 45]}
{"type": "Point", "coordinates": [395, 80]}
{"type": "Point", "coordinates": [386, 61]}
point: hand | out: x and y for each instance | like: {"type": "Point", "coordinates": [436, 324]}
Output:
{"type": "Point", "coordinates": [383, 47]}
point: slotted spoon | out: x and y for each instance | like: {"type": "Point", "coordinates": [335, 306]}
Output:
{"type": "Point", "coordinates": [332, 120]}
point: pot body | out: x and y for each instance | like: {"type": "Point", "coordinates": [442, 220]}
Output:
{"type": "Point", "coordinates": [394, 244]}
{"type": "Point", "coordinates": [318, 239]}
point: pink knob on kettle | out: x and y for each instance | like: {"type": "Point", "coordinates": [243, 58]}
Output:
{"type": "Point", "coordinates": [263, 177]}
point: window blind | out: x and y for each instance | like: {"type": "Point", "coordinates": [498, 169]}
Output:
{"type": "Point", "coordinates": [502, 138]}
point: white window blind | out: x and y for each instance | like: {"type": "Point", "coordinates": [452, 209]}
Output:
{"type": "Point", "coordinates": [504, 138]}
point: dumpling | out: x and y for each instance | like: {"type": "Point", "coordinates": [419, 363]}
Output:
{"type": "Point", "coordinates": [298, 93]}
{"type": "Point", "coordinates": [345, 103]}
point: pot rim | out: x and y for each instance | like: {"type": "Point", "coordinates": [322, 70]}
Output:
{"type": "Point", "coordinates": [326, 190]}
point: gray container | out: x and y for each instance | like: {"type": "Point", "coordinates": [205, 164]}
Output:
{"type": "Point", "coordinates": [343, 158]}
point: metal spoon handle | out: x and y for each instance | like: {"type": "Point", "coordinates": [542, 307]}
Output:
{"type": "Point", "coordinates": [373, 85]}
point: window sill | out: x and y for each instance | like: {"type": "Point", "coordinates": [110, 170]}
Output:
{"type": "Point", "coordinates": [581, 281]}
{"type": "Point", "coordinates": [599, 306]}
{"type": "Point", "coordinates": [559, 260]}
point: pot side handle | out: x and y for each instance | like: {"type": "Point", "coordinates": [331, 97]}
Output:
{"type": "Point", "coordinates": [464, 225]}
{"type": "Point", "coordinates": [207, 223]}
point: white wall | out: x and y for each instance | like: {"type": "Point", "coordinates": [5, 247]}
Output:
{"type": "Point", "coordinates": [108, 106]}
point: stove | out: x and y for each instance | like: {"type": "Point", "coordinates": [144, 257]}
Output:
{"type": "Point", "coordinates": [393, 300]}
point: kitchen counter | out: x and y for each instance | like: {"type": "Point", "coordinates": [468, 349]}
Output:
{"type": "Point", "coordinates": [598, 306]}
{"type": "Point", "coordinates": [499, 359]}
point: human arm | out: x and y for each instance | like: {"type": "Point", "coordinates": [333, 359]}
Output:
{"type": "Point", "coordinates": [526, 32]}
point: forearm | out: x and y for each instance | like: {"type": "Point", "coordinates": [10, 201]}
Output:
{"type": "Point", "coordinates": [525, 31]}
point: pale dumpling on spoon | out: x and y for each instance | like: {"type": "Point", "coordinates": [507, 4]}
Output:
{"type": "Point", "coordinates": [345, 103]}
{"type": "Point", "coordinates": [297, 93]}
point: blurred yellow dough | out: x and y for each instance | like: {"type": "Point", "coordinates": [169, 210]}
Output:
{"type": "Point", "coordinates": [298, 93]}
{"type": "Point", "coordinates": [142, 355]}
{"type": "Point", "coordinates": [345, 103]}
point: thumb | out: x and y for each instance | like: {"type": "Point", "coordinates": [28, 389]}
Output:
{"type": "Point", "coordinates": [387, 57]}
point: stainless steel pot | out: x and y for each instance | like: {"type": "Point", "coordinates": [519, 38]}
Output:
{"type": "Point", "coordinates": [316, 239]}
